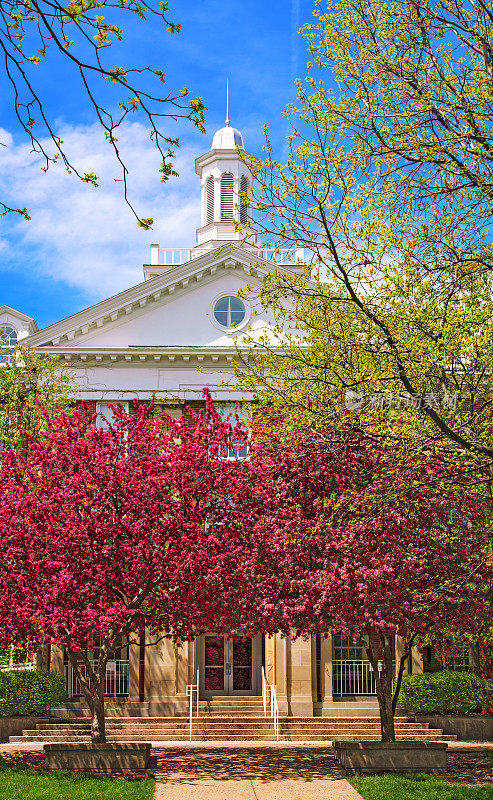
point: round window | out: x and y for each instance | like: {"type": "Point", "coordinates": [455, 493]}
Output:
{"type": "Point", "coordinates": [229, 311]}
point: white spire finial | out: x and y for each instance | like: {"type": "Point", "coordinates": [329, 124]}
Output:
{"type": "Point", "coordinates": [227, 101]}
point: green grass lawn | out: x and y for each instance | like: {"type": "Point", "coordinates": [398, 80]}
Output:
{"type": "Point", "coordinates": [417, 787]}
{"type": "Point", "coordinates": [21, 782]}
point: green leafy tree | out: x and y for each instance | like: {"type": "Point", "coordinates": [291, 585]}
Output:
{"type": "Point", "coordinates": [77, 36]}
{"type": "Point", "coordinates": [388, 187]}
{"type": "Point", "coordinates": [29, 381]}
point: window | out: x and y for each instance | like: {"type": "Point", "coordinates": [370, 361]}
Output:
{"type": "Point", "coordinates": [8, 340]}
{"type": "Point", "coordinates": [226, 196]}
{"type": "Point", "coordinates": [239, 447]}
{"type": "Point", "coordinates": [457, 661]}
{"type": "Point", "coordinates": [229, 311]}
{"type": "Point", "coordinates": [345, 649]}
{"type": "Point", "coordinates": [243, 200]}
{"type": "Point", "coordinates": [8, 336]}
{"type": "Point", "coordinates": [209, 200]}
{"type": "Point", "coordinates": [106, 413]}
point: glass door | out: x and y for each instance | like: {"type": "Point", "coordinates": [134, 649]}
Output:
{"type": "Point", "coordinates": [214, 664]}
{"type": "Point", "coordinates": [241, 663]}
{"type": "Point", "coordinates": [227, 666]}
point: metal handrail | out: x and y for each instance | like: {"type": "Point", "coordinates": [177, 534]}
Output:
{"type": "Point", "coordinates": [191, 688]}
{"type": "Point", "coordinates": [274, 710]}
{"type": "Point", "coordinates": [264, 691]}
{"type": "Point", "coordinates": [269, 696]}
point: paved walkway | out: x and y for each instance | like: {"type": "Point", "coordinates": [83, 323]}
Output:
{"type": "Point", "coordinates": [231, 771]}
{"type": "Point", "coordinates": [253, 771]}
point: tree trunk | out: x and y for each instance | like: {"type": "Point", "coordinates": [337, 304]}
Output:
{"type": "Point", "coordinates": [387, 726]}
{"type": "Point", "coordinates": [379, 651]}
{"type": "Point", "coordinates": [474, 663]}
{"type": "Point", "coordinates": [92, 684]}
{"type": "Point", "coordinates": [96, 705]}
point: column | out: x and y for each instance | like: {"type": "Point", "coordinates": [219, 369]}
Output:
{"type": "Point", "coordinates": [416, 659]}
{"type": "Point", "coordinates": [57, 659]}
{"type": "Point", "coordinates": [414, 664]}
{"type": "Point", "coordinates": [300, 687]}
{"type": "Point", "coordinates": [276, 668]}
{"type": "Point", "coordinates": [133, 667]}
{"type": "Point", "coordinates": [327, 672]}
{"type": "Point", "coordinates": [43, 657]}
{"type": "Point", "coordinates": [160, 679]}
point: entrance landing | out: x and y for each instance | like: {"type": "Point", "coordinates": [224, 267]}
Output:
{"type": "Point", "coordinates": [230, 771]}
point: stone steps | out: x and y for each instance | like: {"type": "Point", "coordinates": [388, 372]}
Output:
{"type": "Point", "coordinates": [290, 729]}
{"type": "Point", "coordinates": [227, 737]}
{"type": "Point", "coordinates": [328, 732]}
{"type": "Point", "coordinates": [233, 719]}
{"type": "Point", "coordinates": [175, 722]}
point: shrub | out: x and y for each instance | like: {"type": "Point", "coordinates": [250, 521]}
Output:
{"type": "Point", "coordinates": [30, 692]}
{"type": "Point", "coordinates": [444, 692]}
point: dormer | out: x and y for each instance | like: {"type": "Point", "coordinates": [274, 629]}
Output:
{"type": "Point", "coordinates": [15, 326]}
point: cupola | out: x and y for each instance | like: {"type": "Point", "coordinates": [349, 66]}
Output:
{"type": "Point", "coordinates": [225, 179]}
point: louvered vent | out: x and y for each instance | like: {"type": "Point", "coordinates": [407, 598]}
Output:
{"type": "Point", "coordinates": [226, 196]}
{"type": "Point", "coordinates": [209, 200]}
{"type": "Point", "coordinates": [243, 200]}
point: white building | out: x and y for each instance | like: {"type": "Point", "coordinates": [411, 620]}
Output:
{"type": "Point", "coordinates": [169, 336]}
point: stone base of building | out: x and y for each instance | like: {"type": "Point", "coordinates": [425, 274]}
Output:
{"type": "Point", "coordinates": [13, 726]}
{"type": "Point", "coordinates": [470, 728]}
{"type": "Point", "coordinates": [167, 707]}
{"type": "Point", "coordinates": [375, 757]}
{"type": "Point", "coordinates": [134, 756]}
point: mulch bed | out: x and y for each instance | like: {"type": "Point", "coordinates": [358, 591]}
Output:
{"type": "Point", "coordinates": [470, 768]}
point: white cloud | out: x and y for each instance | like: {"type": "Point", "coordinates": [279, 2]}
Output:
{"type": "Point", "coordinates": [88, 237]}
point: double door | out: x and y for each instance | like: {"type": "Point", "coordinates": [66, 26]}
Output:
{"type": "Point", "coordinates": [229, 666]}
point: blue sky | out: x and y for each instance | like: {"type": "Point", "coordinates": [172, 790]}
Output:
{"type": "Point", "coordinates": [82, 244]}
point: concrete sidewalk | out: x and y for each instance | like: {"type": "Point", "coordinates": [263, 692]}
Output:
{"type": "Point", "coordinates": [249, 771]}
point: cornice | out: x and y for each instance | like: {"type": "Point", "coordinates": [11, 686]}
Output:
{"type": "Point", "coordinates": [218, 155]}
{"type": "Point", "coordinates": [150, 356]}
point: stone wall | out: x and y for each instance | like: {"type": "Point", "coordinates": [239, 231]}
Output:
{"type": "Point", "coordinates": [13, 726]}
{"type": "Point", "coordinates": [469, 728]}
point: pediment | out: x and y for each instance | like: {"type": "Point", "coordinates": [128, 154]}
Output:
{"type": "Point", "coordinates": [170, 310]}
{"type": "Point", "coordinates": [22, 323]}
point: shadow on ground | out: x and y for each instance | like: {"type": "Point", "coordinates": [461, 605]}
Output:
{"type": "Point", "coordinates": [470, 768]}
{"type": "Point", "coordinates": [265, 764]}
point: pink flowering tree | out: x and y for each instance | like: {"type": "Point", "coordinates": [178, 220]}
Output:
{"type": "Point", "coordinates": [105, 532]}
{"type": "Point", "coordinates": [371, 541]}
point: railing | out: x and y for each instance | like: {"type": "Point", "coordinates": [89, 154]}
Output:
{"type": "Point", "coordinates": [27, 666]}
{"type": "Point", "coordinates": [175, 256]}
{"type": "Point", "coordinates": [269, 698]}
{"type": "Point", "coordinates": [264, 691]}
{"type": "Point", "coordinates": [283, 255]}
{"type": "Point", "coordinates": [191, 689]}
{"type": "Point", "coordinates": [274, 710]}
{"type": "Point", "coordinates": [353, 677]}
{"type": "Point", "coordinates": [115, 682]}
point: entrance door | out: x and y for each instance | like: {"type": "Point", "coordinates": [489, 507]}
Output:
{"type": "Point", "coordinates": [228, 666]}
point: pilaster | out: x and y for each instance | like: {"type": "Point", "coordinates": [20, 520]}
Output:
{"type": "Point", "coordinates": [133, 668]}
{"type": "Point", "coordinates": [416, 660]}
{"type": "Point", "coordinates": [327, 671]}
{"type": "Point", "coordinates": [299, 690]}
{"type": "Point", "coordinates": [57, 659]}
{"type": "Point", "coordinates": [164, 679]}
